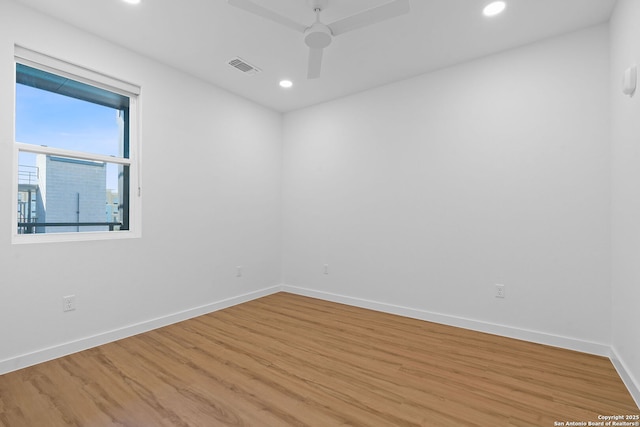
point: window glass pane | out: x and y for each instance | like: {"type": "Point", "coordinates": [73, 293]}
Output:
{"type": "Point", "coordinates": [58, 194]}
{"type": "Point", "coordinates": [54, 120]}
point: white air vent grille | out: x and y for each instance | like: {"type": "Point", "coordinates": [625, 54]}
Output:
{"type": "Point", "coordinates": [244, 66]}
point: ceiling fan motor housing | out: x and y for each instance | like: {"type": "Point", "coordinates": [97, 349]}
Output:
{"type": "Point", "coordinates": [318, 36]}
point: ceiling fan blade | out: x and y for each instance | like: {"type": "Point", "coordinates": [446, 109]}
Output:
{"type": "Point", "coordinates": [251, 7]}
{"type": "Point", "coordinates": [315, 63]}
{"type": "Point", "coordinates": [371, 16]}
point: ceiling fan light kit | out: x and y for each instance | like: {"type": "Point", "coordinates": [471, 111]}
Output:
{"type": "Point", "coordinates": [318, 35]}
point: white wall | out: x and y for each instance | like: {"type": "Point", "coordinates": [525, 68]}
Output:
{"type": "Point", "coordinates": [208, 156]}
{"type": "Point", "coordinates": [425, 193]}
{"type": "Point", "coordinates": [625, 51]}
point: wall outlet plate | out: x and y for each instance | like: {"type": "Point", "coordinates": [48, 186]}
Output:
{"type": "Point", "coordinates": [69, 303]}
{"type": "Point", "coordinates": [500, 291]}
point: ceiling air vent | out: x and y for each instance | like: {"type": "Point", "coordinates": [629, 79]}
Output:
{"type": "Point", "coordinates": [244, 66]}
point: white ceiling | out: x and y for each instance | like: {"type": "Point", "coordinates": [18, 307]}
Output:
{"type": "Point", "coordinates": [201, 36]}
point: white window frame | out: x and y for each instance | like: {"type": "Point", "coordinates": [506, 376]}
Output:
{"type": "Point", "coordinates": [56, 66]}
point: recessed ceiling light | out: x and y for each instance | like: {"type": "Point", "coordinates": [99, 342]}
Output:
{"type": "Point", "coordinates": [286, 84]}
{"type": "Point", "coordinates": [495, 8]}
{"type": "Point", "coordinates": [131, 1]}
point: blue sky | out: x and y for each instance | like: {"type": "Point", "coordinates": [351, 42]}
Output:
{"type": "Point", "coordinates": [46, 118]}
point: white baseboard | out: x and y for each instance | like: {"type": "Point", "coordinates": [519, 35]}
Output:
{"type": "Point", "coordinates": [460, 322]}
{"type": "Point", "coordinates": [64, 349]}
{"type": "Point", "coordinates": [632, 384]}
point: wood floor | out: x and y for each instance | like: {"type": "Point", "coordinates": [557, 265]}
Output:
{"type": "Point", "coordinates": [287, 360]}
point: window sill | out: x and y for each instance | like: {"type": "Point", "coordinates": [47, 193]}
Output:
{"type": "Point", "coordinates": [19, 239]}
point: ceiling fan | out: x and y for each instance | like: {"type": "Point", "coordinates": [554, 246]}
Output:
{"type": "Point", "coordinates": [319, 35]}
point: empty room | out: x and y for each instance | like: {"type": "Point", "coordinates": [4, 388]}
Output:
{"type": "Point", "coordinates": [319, 213]}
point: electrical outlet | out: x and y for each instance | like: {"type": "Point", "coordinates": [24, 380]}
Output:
{"type": "Point", "coordinates": [325, 269]}
{"type": "Point", "coordinates": [69, 303]}
{"type": "Point", "coordinates": [500, 291]}
{"type": "Point", "coordinates": [239, 271]}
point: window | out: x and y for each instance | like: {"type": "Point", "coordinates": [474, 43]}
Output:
{"type": "Point", "coordinates": [76, 150]}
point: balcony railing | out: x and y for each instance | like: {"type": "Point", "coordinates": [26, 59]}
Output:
{"type": "Point", "coordinates": [28, 175]}
{"type": "Point", "coordinates": [30, 227]}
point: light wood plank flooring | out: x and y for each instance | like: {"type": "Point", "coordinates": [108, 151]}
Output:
{"type": "Point", "coordinates": [287, 360]}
